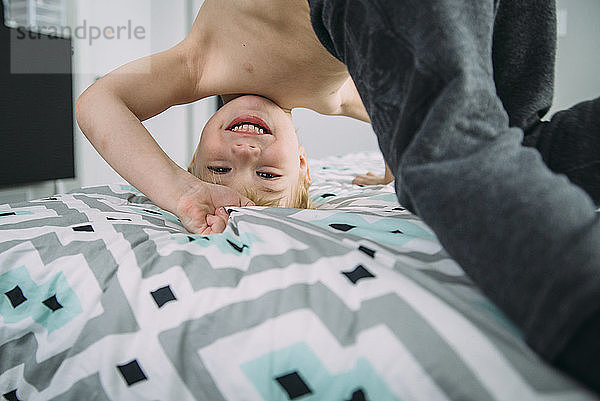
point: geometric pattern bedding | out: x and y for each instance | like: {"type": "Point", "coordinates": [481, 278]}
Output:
{"type": "Point", "coordinates": [104, 296]}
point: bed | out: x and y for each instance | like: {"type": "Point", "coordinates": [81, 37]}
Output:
{"type": "Point", "coordinates": [104, 296]}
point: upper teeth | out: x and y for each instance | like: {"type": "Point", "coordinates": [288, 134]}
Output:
{"type": "Point", "coordinates": [248, 128]}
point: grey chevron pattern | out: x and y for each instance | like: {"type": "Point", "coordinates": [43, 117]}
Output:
{"type": "Point", "coordinates": [355, 299]}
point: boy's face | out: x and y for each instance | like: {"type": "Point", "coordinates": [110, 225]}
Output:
{"type": "Point", "coordinates": [251, 143]}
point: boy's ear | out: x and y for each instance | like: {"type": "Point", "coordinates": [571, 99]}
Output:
{"type": "Point", "coordinates": [304, 167]}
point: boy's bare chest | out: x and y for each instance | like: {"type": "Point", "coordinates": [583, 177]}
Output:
{"type": "Point", "coordinates": [268, 47]}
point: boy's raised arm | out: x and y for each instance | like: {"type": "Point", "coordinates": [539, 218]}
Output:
{"type": "Point", "coordinates": [110, 114]}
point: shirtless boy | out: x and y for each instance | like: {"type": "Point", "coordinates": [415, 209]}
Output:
{"type": "Point", "coordinates": [233, 48]}
{"type": "Point", "coordinates": [451, 87]}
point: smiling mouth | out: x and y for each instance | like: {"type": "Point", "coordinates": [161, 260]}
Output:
{"type": "Point", "coordinates": [249, 125]}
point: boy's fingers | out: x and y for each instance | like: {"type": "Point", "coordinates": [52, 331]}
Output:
{"type": "Point", "coordinates": [216, 223]}
{"type": "Point", "coordinates": [360, 179]}
{"type": "Point", "coordinates": [368, 179]}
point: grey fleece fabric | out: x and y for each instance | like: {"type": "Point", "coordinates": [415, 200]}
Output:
{"type": "Point", "coordinates": [451, 87]}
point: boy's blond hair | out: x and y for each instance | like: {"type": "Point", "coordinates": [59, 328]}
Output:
{"type": "Point", "coordinates": [299, 199]}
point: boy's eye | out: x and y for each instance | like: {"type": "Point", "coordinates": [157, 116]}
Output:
{"type": "Point", "coordinates": [219, 170]}
{"type": "Point", "coordinates": [268, 176]}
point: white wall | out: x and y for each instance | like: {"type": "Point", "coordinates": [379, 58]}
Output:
{"type": "Point", "coordinates": [578, 58]}
{"type": "Point", "coordinates": [332, 135]}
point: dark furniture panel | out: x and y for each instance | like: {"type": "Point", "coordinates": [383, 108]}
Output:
{"type": "Point", "coordinates": [36, 110]}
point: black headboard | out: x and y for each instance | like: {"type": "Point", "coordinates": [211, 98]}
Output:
{"type": "Point", "coordinates": [36, 109]}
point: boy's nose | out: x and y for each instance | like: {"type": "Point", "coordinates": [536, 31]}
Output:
{"type": "Point", "coordinates": [245, 149]}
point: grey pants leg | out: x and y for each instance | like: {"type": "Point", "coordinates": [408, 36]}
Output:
{"type": "Point", "coordinates": [528, 237]}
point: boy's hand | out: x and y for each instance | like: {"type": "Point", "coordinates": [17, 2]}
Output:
{"type": "Point", "coordinates": [371, 179]}
{"type": "Point", "coordinates": [201, 208]}
{"type": "Point", "coordinates": [374, 179]}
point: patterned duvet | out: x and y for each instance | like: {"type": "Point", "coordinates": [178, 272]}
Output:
{"type": "Point", "coordinates": [103, 296]}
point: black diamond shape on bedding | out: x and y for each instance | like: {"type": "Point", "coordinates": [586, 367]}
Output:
{"type": "Point", "coordinates": [235, 246]}
{"type": "Point", "coordinates": [192, 239]}
{"type": "Point", "coordinates": [11, 396]}
{"type": "Point", "coordinates": [132, 372]}
{"type": "Point", "coordinates": [86, 229]}
{"type": "Point", "coordinates": [366, 250]}
{"type": "Point", "coordinates": [163, 295]}
{"type": "Point", "coordinates": [15, 296]}
{"type": "Point", "coordinates": [115, 219]}
{"type": "Point", "coordinates": [358, 395]}
{"type": "Point", "coordinates": [358, 274]}
{"type": "Point", "coordinates": [342, 227]}
{"type": "Point", "coordinates": [294, 385]}
{"type": "Point", "coordinates": [52, 303]}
